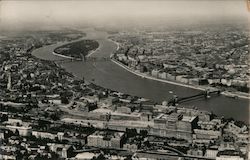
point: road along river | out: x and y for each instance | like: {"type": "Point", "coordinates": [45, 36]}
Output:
{"type": "Point", "coordinates": [110, 75]}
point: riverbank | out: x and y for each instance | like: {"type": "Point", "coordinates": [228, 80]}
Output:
{"type": "Point", "coordinates": [117, 44]}
{"type": "Point", "coordinates": [142, 75]}
{"type": "Point", "coordinates": [63, 56]}
{"type": "Point", "coordinates": [93, 51]}
{"type": "Point", "coordinates": [112, 76]}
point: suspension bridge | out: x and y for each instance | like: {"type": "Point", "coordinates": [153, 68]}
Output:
{"type": "Point", "coordinates": [204, 94]}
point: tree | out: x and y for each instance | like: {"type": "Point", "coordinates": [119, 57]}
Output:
{"type": "Point", "coordinates": [16, 132]}
{"type": "Point", "coordinates": [55, 116]}
{"type": "Point", "coordinates": [131, 132]}
{"type": "Point", "coordinates": [144, 69]}
{"type": "Point", "coordinates": [64, 99]}
{"type": "Point", "coordinates": [144, 133]}
{"type": "Point", "coordinates": [4, 117]}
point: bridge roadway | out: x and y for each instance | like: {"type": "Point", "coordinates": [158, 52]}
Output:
{"type": "Point", "coordinates": [205, 94]}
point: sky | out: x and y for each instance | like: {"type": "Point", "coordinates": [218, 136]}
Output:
{"type": "Point", "coordinates": [62, 13]}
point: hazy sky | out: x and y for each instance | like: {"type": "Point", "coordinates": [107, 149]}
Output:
{"type": "Point", "coordinates": [27, 13]}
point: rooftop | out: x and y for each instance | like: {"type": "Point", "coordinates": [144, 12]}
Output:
{"type": "Point", "coordinates": [86, 155]}
{"type": "Point", "coordinates": [108, 134]}
{"type": "Point", "coordinates": [229, 153]}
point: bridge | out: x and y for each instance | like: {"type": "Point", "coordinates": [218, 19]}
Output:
{"type": "Point", "coordinates": [205, 94]}
{"type": "Point", "coordinates": [84, 59]}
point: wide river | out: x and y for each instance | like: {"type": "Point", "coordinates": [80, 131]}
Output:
{"type": "Point", "coordinates": [109, 75]}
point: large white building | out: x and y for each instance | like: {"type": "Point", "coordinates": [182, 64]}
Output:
{"type": "Point", "coordinates": [174, 125]}
{"type": "Point", "coordinates": [106, 139]}
{"type": "Point", "coordinates": [23, 128]}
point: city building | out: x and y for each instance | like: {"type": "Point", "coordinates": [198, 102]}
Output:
{"type": "Point", "coordinates": [229, 155]}
{"type": "Point", "coordinates": [105, 139]}
{"type": "Point", "coordinates": [63, 150]}
{"type": "Point", "coordinates": [174, 125]}
{"type": "Point", "coordinates": [152, 156]}
{"type": "Point", "coordinates": [87, 156]}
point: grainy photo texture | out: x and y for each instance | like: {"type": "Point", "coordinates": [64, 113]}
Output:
{"type": "Point", "coordinates": [124, 79]}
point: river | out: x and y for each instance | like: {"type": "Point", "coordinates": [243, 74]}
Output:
{"type": "Point", "coordinates": [109, 75]}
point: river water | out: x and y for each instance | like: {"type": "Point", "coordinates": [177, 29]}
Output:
{"type": "Point", "coordinates": [109, 75]}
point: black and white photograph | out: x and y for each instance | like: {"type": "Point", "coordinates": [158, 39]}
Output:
{"type": "Point", "coordinates": [124, 79]}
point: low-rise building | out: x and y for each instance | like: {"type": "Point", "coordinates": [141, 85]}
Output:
{"type": "Point", "coordinates": [206, 134]}
{"type": "Point", "coordinates": [106, 139]}
{"type": "Point", "coordinates": [39, 134]}
{"type": "Point", "coordinates": [154, 156]}
{"type": "Point", "coordinates": [229, 155]}
{"type": "Point", "coordinates": [132, 144]}
{"type": "Point", "coordinates": [63, 150]}
{"type": "Point", "coordinates": [22, 130]}
{"type": "Point", "coordinates": [155, 73]}
{"type": "Point", "coordinates": [195, 152]}
{"type": "Point", "coordinates": [130, 147]}
{"type": "Point", "coordinates": [7, 155]}
{"type": "Point", "coordinates": [235, 129]}
{"type": "Point", "coordinates": [211, 153]}
{"type": "Point", "coordinates": [87, 156]}
{"type": "Point", "coordinates": [124, 109]}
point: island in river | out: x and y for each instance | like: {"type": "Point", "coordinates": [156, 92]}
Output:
{"type": "Point", "coordinates": [76, 50]}
{"type": "Point", "coordinates": [109, 75]}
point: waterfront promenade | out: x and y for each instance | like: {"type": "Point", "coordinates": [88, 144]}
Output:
{"type": "Point", "coordinates": [201, 88]}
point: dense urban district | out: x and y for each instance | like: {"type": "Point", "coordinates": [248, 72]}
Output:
{"type": "Point", "coordinates": [47, 113]}
{"type": "Point", "coordinates": [210, 58]}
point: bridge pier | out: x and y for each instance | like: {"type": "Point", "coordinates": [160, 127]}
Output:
{"type": "Point", "coordinates": [206, 94]}
{"type": "Point", "coordinates": [84, 58]}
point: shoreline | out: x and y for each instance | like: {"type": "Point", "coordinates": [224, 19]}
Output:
{"type": "Point", "coordinates": [61, 55]}
{"type": "Point", "coordinates": [118, 44]}
{"type": "Point", "coordinates": [142, 75]}
{"type": "Point", "coordinates": [93, 51]}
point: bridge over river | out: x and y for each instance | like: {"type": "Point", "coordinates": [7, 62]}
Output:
{"type": "Point", "coordinates": [89, 59]}
{"type": "Point", "coordinates": [204, 94]}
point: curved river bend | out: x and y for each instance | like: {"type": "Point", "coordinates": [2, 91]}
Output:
{"type": "Point", "coordinates": [109, 75]}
